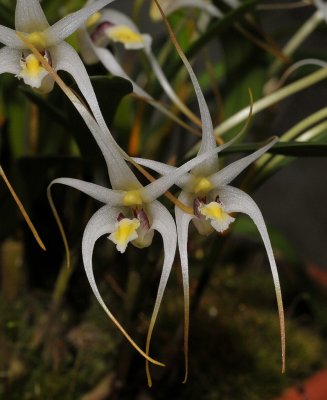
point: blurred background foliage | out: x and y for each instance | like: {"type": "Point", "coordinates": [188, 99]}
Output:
{"type": "Point", "coordinates": [55, 340]}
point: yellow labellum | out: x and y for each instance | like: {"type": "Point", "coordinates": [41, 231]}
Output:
{"type": "Point", "coordinates": [202, 185]}
{"type": "Point", "coordinates": [124, 233]}
{"type": "Point", "coordinates": [213, 211]}
{"type": "Point", "coordinates": [32, 66]}
{"type": "Point", "coordinates": [132, 198]}
{"type": "Point", "coordinates": [124, 34]}
{"type": "Point", "coordinates": [38, 40]}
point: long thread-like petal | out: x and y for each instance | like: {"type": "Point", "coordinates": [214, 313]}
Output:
{"type": "Point", "coordinates": [182, 222]}
{"type": "Point", "coordinates": [111, 64]}
{"type": "Point", "coordinates": [97, 192]}
{"type": "Point", "coordinates": [208, 140]}
{"type": "Point", "coordinates": [168, 88]}
{"type": "Point", "coordinates": [235, 200]}
{"type": "Point", "coordinates": [67, 25]}
{"type": "Point", "coordinates": [103, 222]}
{"type": "Point", "coordinates": [67, 59]}
{"type": "Point", "coordinates": [164, 223]}
{"type": "Point", "coordinates": [29, 16]}
{"type": "Point", "coordinates": [227, 174]}
{"type": "Point", "coordinates": [9, 38]}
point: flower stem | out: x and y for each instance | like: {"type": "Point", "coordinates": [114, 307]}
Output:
{"type": "Point", "coordinates": [271, 99]}
{"type": "Point", "coordinates": [22, 210]}
{"type": "Point", "coordinates": [299, 37]}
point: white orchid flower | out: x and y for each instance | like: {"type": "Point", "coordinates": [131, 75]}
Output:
{"type": "Point", "coordinates": [17, 59]}
{"type": "Point", "coordinates": [207, 190]}
{"type": "Point", "coordinates": [112, 26]}
{"type": "Point", "coordinates": [130, 214]}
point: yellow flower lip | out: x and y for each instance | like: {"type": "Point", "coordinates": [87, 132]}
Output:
{"type": "Point", "coordinates": [38, 40]}
{"type": "Point", "coordinates": [202, 185]}
{"type": "Point", "coordinates": [212, 210]}
{"type": "Point", "coordinates": [125, 232]}
{"type": "Point", "coordinates": [217, 216]}
{"type": "Point", "coordinates": [93, 19]}
{"type": "Point", "coordinates": [125, 35]}
{"type": "Point", "coordinates": [32, 71]}
{"type": "Point", "coordinates": [132, 198]}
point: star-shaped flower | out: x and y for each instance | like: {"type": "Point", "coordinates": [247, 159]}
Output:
{"type": "Point", "coordinates": [130, 214]}
{"type": "Point", "coordinates": [207, 191]}
{"type": "Point", "coordinates": [16, 58]}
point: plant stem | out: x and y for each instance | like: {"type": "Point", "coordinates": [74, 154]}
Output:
{"type": "Point", "coordinates": [271, 99]}
{"type": "Point", "coordinates": [306, 29]}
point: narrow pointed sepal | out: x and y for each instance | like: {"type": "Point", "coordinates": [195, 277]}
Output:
{"type": "Point", "coordinates": [235, 200]}
{"type": "Point", "coordinates": [227, 174]}
{"type": "Point", "coordinates": [163, 223]}
{"type": "Point", "coordinates": [29, 16]}
{"type": "Point", "coordinates": [97, 192]}
{"type": "Point", "coordinates": [69, 24]}
{"type": "Point", "coordinates": [103, 222]}
{"type": "Point", "coordinates": [182, 222]}
{"type": "Point", "coordinates": [9, 38]}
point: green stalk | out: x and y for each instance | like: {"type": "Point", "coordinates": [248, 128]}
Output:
{"type": "Point", "coordinates": [295, 131]}
{"type": "Point", "coordinates": [306, 29]}
{"type": "Point", "coordinates": [271, 99]}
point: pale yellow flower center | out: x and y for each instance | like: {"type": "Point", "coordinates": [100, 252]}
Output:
{"type": "Point", "coordinates": [124, 34]}
{"type": "Point", "coordinates": [38, 39]}
{"type": "Point", "coordinates": [132, 198]}
{"type": "Point", "coordinates": [125, 232]}
{"type": "Point", "coordinates": [202, 185]}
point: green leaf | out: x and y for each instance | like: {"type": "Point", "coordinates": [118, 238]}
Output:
{"type": "Point", "coordinates": [293, 149]}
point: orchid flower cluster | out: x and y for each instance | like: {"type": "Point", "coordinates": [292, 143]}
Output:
{"type": "Point", "coordinates": [131, 212]}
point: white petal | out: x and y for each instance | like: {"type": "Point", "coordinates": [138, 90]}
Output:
{"type": "Point", "coordinates": [67, 59]}
{"type": "Point", "coordinates": [102, 222]}
{"type": "Point", "coordinates": [9, 38]}
{"type": "Point", "coordinates": [235, 200]}
{"type": "Point", "coordinates": [29, 16]}
{"type": "Point", "coordinates": [164, 223]}
{"type": "Point", "coordinates": [165, 83]}
{"type": "Point", "coordinates": [67, 25]}
{"type": "Point", "coordinates": [97, 192]}
{"type": "Point", "coordinates": [227, 174]}
{"type": "Point", "coordinates": [87, 53]}
{"type": "Point", "coordinates": [121, 176]}
{"type": "Point", "coordinates": [182, 223]}
{"type": "Point", "coordinates": [10, 60]}
{"type": "Point", "coordinates": [112, 65]}
{"type": "Point", "coordinates": [208, 141]}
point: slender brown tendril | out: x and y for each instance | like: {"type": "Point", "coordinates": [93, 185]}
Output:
{"type": "Point", "coordinates": [22, 210]}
